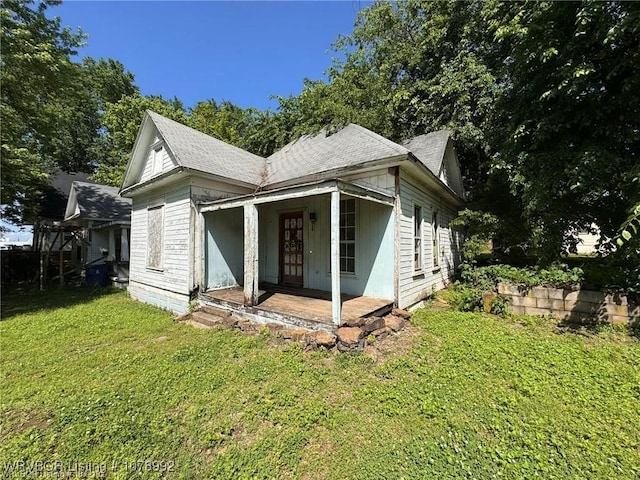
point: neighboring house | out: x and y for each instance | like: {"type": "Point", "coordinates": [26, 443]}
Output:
{"type": "Point", "coordinates": [102, 218]}
{"type": "Point", "coordinates": [351, 214]}
{"type": "Point", "coordinates": [79, 223]}
{"type": "Point", "coordinates": [588, 240]}
{"type": "Point", "coordinates": [49, 234]}
{"type": "Point", "coordinates": [57, 247]}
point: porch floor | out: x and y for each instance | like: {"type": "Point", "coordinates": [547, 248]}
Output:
{"type": "Point", "coordinates": [302, 303]}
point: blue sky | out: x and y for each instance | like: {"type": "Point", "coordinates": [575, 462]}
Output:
{"type": "Point", "coordinates": [238, 51]}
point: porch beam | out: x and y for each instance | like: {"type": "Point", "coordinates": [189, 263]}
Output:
{"type": "Point", "coordinates": [250, 255]}
{"type": "Point", "coordinates": [300, 192]}
{"type": "Point", "coordinates": [365, 194]}
{"type": "Point", "coordinates": [336, 306]}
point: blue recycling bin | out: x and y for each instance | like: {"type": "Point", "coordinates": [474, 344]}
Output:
{"type": "Point", "coordinates": [97, 275]}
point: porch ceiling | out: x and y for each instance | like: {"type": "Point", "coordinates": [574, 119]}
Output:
{"type": "Point", "coordinates": [300, 191]}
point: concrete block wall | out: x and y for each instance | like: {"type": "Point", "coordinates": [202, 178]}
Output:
{"type": "Point", "coordinates": [574, 306]}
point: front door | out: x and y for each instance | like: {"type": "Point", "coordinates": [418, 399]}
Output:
{"type": "Point", "coordinates": [291, 248]}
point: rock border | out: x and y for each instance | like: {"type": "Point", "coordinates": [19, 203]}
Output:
{"type": "Point", "coordinates": [351, 336]}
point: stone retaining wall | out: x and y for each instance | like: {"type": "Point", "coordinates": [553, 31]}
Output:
{"type": "Point", "coordinates": [573, 306]}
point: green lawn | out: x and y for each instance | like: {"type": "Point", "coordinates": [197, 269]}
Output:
{"type": "Point", "coordinates": [95, 379]}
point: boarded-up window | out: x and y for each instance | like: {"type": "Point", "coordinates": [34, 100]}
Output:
{"type": "Point", "coordinates": [348, 235]}
{"type": "Point", "coordinates": [155, 220]}
{"type": "Point", "coordinates": [417, 238]}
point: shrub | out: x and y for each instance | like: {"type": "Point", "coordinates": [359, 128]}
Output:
{"type": "Point", "coordinates": [466, 298]}
{"type": "Point", "coordinates": [486, 278]}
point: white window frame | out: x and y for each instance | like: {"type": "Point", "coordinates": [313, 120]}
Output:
{"type": "Point", "coordinates": [157, 158]}
{"type": "Point", "coordinates": [346, 242]}
{"type": "Point", "coordinates": [418, 222]}
{"type": "Point", "coordinates": [435, 239]}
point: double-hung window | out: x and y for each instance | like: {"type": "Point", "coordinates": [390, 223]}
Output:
{"type": "Point", "coordinates": [435, 236]}
{"type": "Point", "coordinates": [417, 238]}
{"type": "Point", "coordinates": [348, 235]}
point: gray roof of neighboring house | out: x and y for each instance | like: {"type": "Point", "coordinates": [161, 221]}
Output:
{"type": "Point", "coordinates": [429, 149]}
{"type": "Point", "coordinates": [311, 154]}
{"type": "Point", "coordinates": [198, 151]}
{"type": "Point", "coordinates": [100, 202]}
{"type": "Point", "coordinates": [56, 194]}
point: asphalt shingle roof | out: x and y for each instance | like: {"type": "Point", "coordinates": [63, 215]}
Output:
{"type": "Point", "coordinates": [100, 202]}
{"type": "Point", "coordinates": [56, 194]}
{"type": "Point", "coordinates": [351, 146]}
{"type": "Point", "coordinates": [197, 151]}
{"type": "Point", "coordinates": [429, 149]}
{"type": "Point", "coordinates": [309, 155]}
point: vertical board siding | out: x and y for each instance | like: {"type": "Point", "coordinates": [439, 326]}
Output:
{"type": "Point", "coordinates": [414, 286]}
{"type": "Point", "coordinates": [224, 254]}
{"type": "Point", "coordinates": [203, 190]}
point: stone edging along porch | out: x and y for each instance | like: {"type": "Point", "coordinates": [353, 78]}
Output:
{"type": "Point", "coordinates": [572, 306]}
{"type": "Point", "coordinates": [352, 335]}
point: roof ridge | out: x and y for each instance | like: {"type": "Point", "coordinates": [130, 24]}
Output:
{"type": "Point", "coordinates": [195, 130]}
{"type": "Point", "coordinates": [381, 139]}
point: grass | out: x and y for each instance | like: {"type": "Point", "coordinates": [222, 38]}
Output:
{"type": "Point", "coordinates": [93, 378]}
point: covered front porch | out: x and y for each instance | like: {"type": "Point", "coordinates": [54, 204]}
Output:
{"type": "Point", "coordinates": [320, 252]}
{"type": "Point", "coordinates": [300, 307]}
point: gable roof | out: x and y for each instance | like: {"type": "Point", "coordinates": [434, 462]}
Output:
{"type": "Point", "coordinates": [92, 201]}
{"type": "Point", "coordinates": [198, 151]}
{"type": "Point", "coordinates": [351, 146]}
{"type": "Point", "coordinates": [310, 157]}
{"type": "Point", "coordinates": [429, 149]}
{"type": "Point", "coordinates": [195, 150]}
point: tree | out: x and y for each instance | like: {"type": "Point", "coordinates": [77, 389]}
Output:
{"type": "Point", "coordinates": [567, 132]}
{"type": "Point", "coordinates": [37, 80]}
{"type": "Point", "coordinates": [540, 97]}
{"type": "Point", "coordinates": [51, 107]}
{"type": "Point", "coordinates": [224, 121]}
{"type": "Point", "coordinates": [121, 122]}
{"type": "Point", "coordinates": [407, 69]}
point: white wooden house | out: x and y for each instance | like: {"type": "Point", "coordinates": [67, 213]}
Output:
{"type": "Point", "coordinates": [351, 215]}
{"type": "Point", "coordinates": [101, 218]}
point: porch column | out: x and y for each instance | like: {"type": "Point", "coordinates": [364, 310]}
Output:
{"type": "Point", "coordinates": [335, 258]}
{"type": "Point", "coordinates": [124, 245]}
{"type": "Point", "coordinates": [112, 245]}
{"type": "Point", "coordinates": [250, 255]}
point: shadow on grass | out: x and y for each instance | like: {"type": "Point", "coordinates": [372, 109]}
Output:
{"type": "Point", "coordinates": [18, 301]}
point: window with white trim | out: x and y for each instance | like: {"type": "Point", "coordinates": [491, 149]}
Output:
{"type": "Point", "coordinates": [348, 235]}
{"type": "Point", "coordinates": [435, 238]}
{"type": "Point", "coordinates": [417, 238]}
{"type": "Point", "coordinates": [155, 227]}
{"type": "Point", "coordinates": [158, 154]}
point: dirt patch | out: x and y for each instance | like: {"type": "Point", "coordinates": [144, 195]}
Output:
{"type": "Point", "coordinates": [394, 346]}
{"type": "Point", "coordinates": [18, 421]}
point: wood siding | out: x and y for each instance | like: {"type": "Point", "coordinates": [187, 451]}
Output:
{"type": "Point", "coordinates": [176, 252]}
{"type": "Point", "coordinates": [147, 171]}
{"type": "Point", "coordinates": [415, 286]}
{"type": "Point", "coordinates": [379, 179]}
